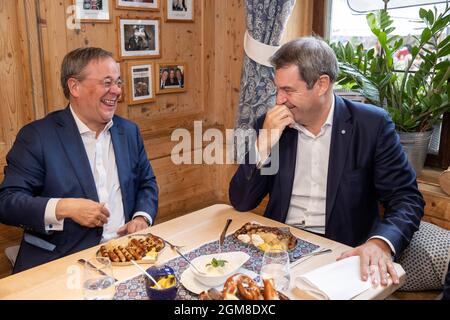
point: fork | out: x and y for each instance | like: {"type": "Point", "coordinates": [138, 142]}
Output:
{"type": "Point", "coordinates": [172, 246]}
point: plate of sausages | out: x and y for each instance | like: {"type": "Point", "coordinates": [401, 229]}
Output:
{"type": "Point", "coordinates": [139, 248]}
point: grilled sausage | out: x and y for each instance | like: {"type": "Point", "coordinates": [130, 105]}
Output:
{"type": "Point", "coordinates": [134, 253]}
{"type": "Point", "coordinates": [127, 255]}
{"type": "Point", "coordinates": [120, 254]}
{"type": "Point", "coordinates": [113, 256]}
{"type": "Point", "coordinates": [104, 252]}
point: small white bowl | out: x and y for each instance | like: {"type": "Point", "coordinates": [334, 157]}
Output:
{"type": "Point", "coordinates": [216, 277]}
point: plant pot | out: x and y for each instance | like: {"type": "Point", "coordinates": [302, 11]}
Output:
{"type": "Point", "coordinates": [415, 145]}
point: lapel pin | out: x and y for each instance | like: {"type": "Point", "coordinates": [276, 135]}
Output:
{"type": "Point", "coordinates": [343, 131]}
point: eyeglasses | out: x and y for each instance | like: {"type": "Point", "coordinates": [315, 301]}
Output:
{"type": "Point", "coordinates": [107, 83]}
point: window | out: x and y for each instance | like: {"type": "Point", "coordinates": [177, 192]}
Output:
{"type": "Point", "coordinates": [348, 23]}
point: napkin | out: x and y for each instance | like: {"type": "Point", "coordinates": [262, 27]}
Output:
{"type": "Point", "coordinates": [339, 280]}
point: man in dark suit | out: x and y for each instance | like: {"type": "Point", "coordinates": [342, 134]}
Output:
{"type": "Point", "coordinates": [337, 160]}
{"type": "Point", "coordinates": [80, 175]}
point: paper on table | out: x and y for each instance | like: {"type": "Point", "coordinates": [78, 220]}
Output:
{"type": "Point", "coordinates": [339, 280]}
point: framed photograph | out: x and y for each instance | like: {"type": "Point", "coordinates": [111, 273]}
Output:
{"type": "Point", "coordinates": [139, 38]}
{"type": "Point", "coordinates": [180, 10]}
{"type": "Point", "coordinates": [171, 77]}
{"type": "Point", "coordinates": [92, 10]}
{"type": "Point", "coordinates": [151, 5]}
{"type": "Point", "coordinates": [122, 76]}
{"type": "Point", "coordinates": [140, 82]}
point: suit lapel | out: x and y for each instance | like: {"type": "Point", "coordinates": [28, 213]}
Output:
{"type": "Point", "coordinates": [122, 159]}
{"type": "Point", "coordinates": [76, 153]}
{"type": "Point", "coordinates": [340, 140]}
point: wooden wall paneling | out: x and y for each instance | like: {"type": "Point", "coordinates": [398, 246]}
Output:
{"type": "Point", "coordinates": [183, 188]}
{"type": "Point", "coordinates": [221, 96]}
{"type": "Point", "coordinates": [16, 95]}
{"type": "Point", "coordinates": [208, 28]}
{"type": "Point", "coordinates": [300, 21]}
{"type": "Point", "coordinates": [229, 53]}
{"type": "Point", "coordinates": [16, 87]}
{"type": "Point", "coordinates": [237, 27]}
{"type": "Point", "coordinates": [319, 23]}
{"type": "Point", "coordinates": [159, 144]}
{"type": "Point", "coordinates": [52, 18]}
{"type": "Point", "coordinates": [30, 37]}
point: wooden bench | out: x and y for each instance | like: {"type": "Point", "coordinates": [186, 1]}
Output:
{"type": "Point", "coordinates": [9, 236]}
{"type": "Point", "coordinates": [437, 211]}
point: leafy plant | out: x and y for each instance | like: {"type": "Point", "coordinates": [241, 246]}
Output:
{"type": "Point", "coordinates": [217, 263]}
{"type": "Point", "coordinates": [417, 99]}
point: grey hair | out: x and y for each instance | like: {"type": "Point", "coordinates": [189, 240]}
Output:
{"type": "Point", "coordinates": [311, 55]}
{"type": "Point", "coordinates": [75, 61]}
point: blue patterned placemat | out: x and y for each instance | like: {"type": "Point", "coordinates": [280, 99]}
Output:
{"type": "Point", "coordinates": [134, 289]}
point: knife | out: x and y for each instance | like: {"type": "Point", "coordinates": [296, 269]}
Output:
{"type": "Point", "coordinates": [84, 262]}
{"type": "Point", "coordinates": [224, 232]}
{"type": "Point", "coordinates": [309, 255]}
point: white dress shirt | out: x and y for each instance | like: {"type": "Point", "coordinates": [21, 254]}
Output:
{"type": "Point", "coordinates": [309, 191]}
{"type": "Point", "coordinates": [102, 160]}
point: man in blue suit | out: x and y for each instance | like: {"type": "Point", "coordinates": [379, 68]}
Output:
{"type": "Point", "coordinates": [80, 175]}
{"type": "Point", "coordinates": [337, 161]}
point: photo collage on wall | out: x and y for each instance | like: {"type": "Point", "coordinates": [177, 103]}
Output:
{"type": "Point", "coordinates": [139, 41]}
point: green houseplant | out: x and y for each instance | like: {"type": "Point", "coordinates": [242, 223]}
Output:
{"type": "Point", "coordinates": [416, 97]}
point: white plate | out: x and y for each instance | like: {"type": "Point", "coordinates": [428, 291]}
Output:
{"type": "Point", "coordinates": [235, 260]}
{"type": "Point", "coordinates": [188, 280]}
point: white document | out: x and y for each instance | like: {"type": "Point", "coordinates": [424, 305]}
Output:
{"type": "Point", "coordinates": [339, 280]}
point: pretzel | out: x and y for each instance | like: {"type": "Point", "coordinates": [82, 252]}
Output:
{"type": "Point", "coordinates": [242, 284]}
{"type": "Point", "coordinates": [270, 292]}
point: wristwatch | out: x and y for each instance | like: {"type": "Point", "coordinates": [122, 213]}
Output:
{"type": "Point", "coordinates": [145, 218]}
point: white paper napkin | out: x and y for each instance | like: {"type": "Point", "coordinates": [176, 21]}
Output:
{"type": "Point", "coordinates": [339, 280]}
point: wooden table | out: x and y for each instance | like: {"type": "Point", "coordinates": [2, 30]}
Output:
{"type": "Point", "coordinates": [61, 279]}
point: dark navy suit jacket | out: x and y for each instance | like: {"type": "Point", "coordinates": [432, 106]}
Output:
{"type": "Point", "coordinates": [48, 160]}
{"type": "Point", "coordinates": [367, 165]}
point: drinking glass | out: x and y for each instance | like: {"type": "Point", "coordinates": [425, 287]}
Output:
{"type": "Point", "coordinates": [275, 265]}
{"type": "Point", "coordinates": [98, 280]}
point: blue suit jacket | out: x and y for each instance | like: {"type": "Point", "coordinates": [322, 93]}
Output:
{"type": "Point", "coordinates": [48, 160]}
{"type": "Point", "coordinates": [367, 165]}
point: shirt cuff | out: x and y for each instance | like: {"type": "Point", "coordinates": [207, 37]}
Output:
{"type": "Point", "coordinates": [145, 214]}
{"type": "Point", "coordinates": [387, 241]}
{"type": "Point", "coordinates": [259, 163]}
{"type": "Point", "coordinates": [50, 221]}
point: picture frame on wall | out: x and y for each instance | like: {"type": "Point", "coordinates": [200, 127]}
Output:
{"type": "Point", "coordinates": [92, 10]}
{"type": "Point", "coordinates": [179, 10]}
{"type": "Point", "coordinates": [171, 77]}
{"type": "Point", "coordinates": [122, 76]}
{"type": "Point", "coordinates": [140, 82]}
{"type": "Point", "coordinates": [150, 5]}
{"type": "Point", "coordinates": [139, 38]}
